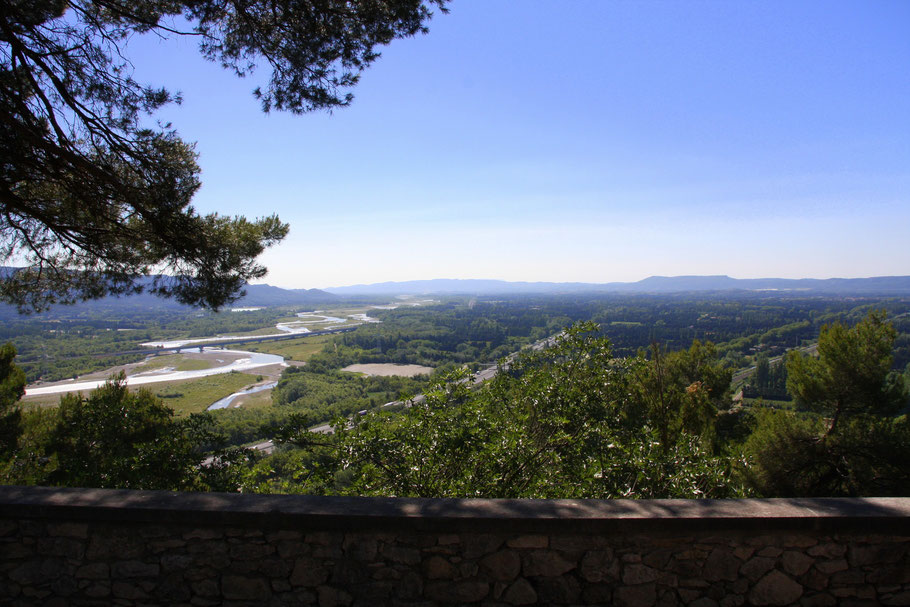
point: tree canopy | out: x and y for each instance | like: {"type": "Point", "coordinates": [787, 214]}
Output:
{"type": "Point", "coordinates": [852, 374]}
{"type": "Point", "coordinates": [850, 438]}
{"type": "Point", "coordinates": [91, 197]}
{"type": "Point", "coordinates": [12, 387]}
{"type": "Point", "coordinates": [571, 420]}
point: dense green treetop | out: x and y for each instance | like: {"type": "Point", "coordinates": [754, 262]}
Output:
{"type": "Point", "coordinates": [12, 387]}
{"type": "Point", "coordinates": [564, 421]}
{"type": "Point", "coordinates": [90, 197]}
{"type": "Point", "coordinates": [852, 374]}
{"type": "Point", "coordinates": [849, 439]}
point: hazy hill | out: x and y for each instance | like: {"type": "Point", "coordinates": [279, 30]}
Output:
{"type": "Point", "coordinates": [896, 285]}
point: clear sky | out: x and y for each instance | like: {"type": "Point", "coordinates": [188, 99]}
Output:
{"type": "Point", "coordinates": [579, 140]}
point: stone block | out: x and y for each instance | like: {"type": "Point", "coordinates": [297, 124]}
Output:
{"type": "Point", "coordinates": [575, 543]}
{"type": "Point", "coordinates": [597, 594]}
{"type": "Point", "coordinates": [98, 590]}
{"type": "Point", "coordinates": [240, 588]}
{"type": "Point", "coordinates": [720, 565]}
{"type": "Point", "coordinates": [635, 596]}
{"type": "Point", "coordinates": [281, 535]}
{"type": "Point", "coordinates": [756, 567]}
{"type": "Point", "coordinates": [503, 566]}
{"type": "Point", "coordinates": [207, 548]}
{"type": "Point", "coordinates": [290, 548]}
{"type": "Point", "coordinates": [849, 577]}
{"type": "Point", "coordinates": [545, 563]}
{"type": "Point", "coordinates": [599, 566]}
{"type": "Point", "coordinates": [349, 574]}
{"type": "Point", "coordinates": [468, 569]}
{"type": "Point", "coordinates": [743, 553]}
{"type": "Point", "coordinates": [333, 597]}
{"type": "Point", "coordinates": [521, 592]}
{"type": "Point", "coordinates": [448, 539]}
{"type": "Point", "coordinates": [374, 592]}
{"type": "Point", "coordinates": [332, 551]}
{"type": "Point", "coordinates": [818, 600]}
{"type": "Point", "coordinates": [637, 573]}
{"type": "Point", "coordinates": [796, 563]}
{"type": "Point", "coordinates": [401, 554]}
{"type": "Point", "coordinates": [16, 552]}
{"type": "Point", "coordinates": [828, 550]}
{"type": "Point", "coordinates": [775, 589]}
{"type": "Point", "coordinates": [464, 591]}
{"type": "Point", "coordinates": [859, 556]}
{"type": "Point", "coordinates": [689, 595]}
{"type": "Point", "coordinates": [76, 530]}
{"type": "Point", "coordinates": [308, 573]}
{"type": "Point", "coordinates": [438, 568]}
{"type": "Point", "coordinates": [204, 533]}
{"type": "Point", "coordinates": [770, 551]}
{"type": "Point", "coordinates": [273, 567]}
{"type": "Point", "coordinates": [360, 548]}
{"type": "Point", "coordinates": [799, 541]}
{"type": "Point", "coordinates": [164, 545]}
{"type": "Point", "coordinates": [36, 572]}
{"type": "Point", "coordinates": [65, 585]}
{"type": "Point", "coordinates": [410, 586]}
{"type": "Point", "coordinates": [128, 569]}
{"type": "Point", "coordinates": [171, 587]}
{"type": "Point", "coordinates": [528, 541]}
{"type": "Point", "coordinates": [245, 552]}
{"type": "Point", "coordinates": [829, 567]}
{"type": "Point", "coordinates": [477, 545]}
{"type": "Point", "coordinates": [890, 574]}
{"type": "Point", "coordinates": [155, 531]}
{"type": "Point", "coordinates": [562, 590]}
{"type": "Point", "coordinates": [126, 590]}
{"type": "Point", "coordinates": [102, 546]}
{"type": "Point", "coordinates": [8, 527]}
{"type": "Point", "coordinates": [815, 579]}
{"type": "Point", "coordinates": [689, 569]}
{"type": "Point", "coordinates": [93, 571]}
{"type": "Point", "coordinates": [658, 558]}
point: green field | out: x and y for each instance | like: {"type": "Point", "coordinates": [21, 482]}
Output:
{"type": "Point", "coordinates": [254, 401]}
{"type": "Point", "coordinates": [767, 402]}
{"type": "Point", "coordinates": [184, 397]}
{"type": "Point", "coordinates": [178, 361]}
{"type": "Point", "coordinates": [300, 349]}
{"type": "Point", "coordinates": [195, 396]}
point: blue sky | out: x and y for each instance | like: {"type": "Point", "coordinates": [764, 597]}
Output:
{"type": "Point", "coordinates": [579, 141]}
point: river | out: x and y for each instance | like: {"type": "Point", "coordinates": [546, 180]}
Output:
{"type": "Point", "coordinates": [247, 362]}
{"type": "Point", "coordinates": [225, 402]}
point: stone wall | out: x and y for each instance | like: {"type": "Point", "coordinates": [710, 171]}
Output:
{"type": "Point", "coordinates": [100, 547]}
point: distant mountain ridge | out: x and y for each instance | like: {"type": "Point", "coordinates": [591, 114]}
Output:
{"type": "Point", "coordinates": [880, 285]}
{"type": "Point", "coordinates": [263, 295]}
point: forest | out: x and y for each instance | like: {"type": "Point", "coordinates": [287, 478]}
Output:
{"type": "Point", "coordinates": [637, 396]}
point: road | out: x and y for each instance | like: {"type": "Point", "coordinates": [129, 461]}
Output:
{"type": "Point", "coordinates": [744, 374]}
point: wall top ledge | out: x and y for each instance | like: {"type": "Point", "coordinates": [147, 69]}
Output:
{"type": "Point", "coordinates": [109, 505]}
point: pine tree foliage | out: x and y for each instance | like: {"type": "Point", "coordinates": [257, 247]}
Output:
{"type": "Point", "coordinates": [91, 197]}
